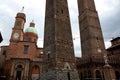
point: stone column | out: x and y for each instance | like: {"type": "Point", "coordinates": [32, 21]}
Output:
{"type": "Point", "coordinates": [26, 73]}
{"type": "Point", "coordinates": [109, 73]}
{"type": "Point", "coordinates": [12, 70]}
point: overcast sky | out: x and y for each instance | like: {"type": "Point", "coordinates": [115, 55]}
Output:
{"type": "Point", "coordinates": [108, 10]}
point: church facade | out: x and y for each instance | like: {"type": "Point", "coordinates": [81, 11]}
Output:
{"type": "Point", "coordinates": [23, 60]}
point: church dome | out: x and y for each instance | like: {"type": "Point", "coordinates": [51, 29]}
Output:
{"type": "Point", "coordinates": [31, 33]}
{"type": "Point", "coordinates": [31, 30]}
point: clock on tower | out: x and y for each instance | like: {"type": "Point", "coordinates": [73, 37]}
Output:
{"type": "Point", "coordinates": [16, 35]}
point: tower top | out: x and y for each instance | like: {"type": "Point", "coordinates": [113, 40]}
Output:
{"type": "Point", "coordinates": [21, 14]}
{"type": "Point", "coordinates": [32, 24]}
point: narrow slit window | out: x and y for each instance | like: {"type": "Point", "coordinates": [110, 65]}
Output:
{"type": "Point", "coordinates": [62, 11]}
{"type": "Point", "coordinates": [4, 52]}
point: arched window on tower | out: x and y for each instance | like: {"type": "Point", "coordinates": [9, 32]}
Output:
{"type": "Point", "coordinates": [67, 66]}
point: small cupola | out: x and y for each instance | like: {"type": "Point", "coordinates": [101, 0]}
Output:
{"type": "Point", "coordinates": [31, 33]}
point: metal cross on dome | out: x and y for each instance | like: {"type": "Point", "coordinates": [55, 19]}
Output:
{"type": "Point", "coordinates": [22, 9]}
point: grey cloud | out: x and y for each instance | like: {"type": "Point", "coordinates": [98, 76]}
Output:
{"type": "Point", "coordinates": [111, 24]}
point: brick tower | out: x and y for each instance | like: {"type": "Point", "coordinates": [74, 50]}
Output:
{"type": "Point", "coordinates": [90, 30]}
{"type": "Point", "coordinates": [17, 32]}
{"type": "Point", "coordinates": [90, 65]}
{"type": "Point", "coordinates": [58, 44]}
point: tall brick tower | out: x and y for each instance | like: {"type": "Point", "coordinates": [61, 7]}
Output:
{"type": "Point", "coordinates": [58, 43]}
{"type": "Point", "coordinates": [17, 32]}
{"type": "Point", "coordinates": [92, 43]}
{"type": "Point", "coordinates": [90, 65]}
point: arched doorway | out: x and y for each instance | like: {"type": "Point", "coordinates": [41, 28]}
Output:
{"type": "Point", "coordinates": [68, 75]}
{"type": "Point", "coordinates": [89, 75]}
{"type": "Point", "coordinates": [35, 72]}
{"type": "Point", "coordinates": [117, 74]}
{"type": "Point", "coordinates": [98, 75]}
{"type": "Point", "coordinates": [81, 76]}
{"type": "Point", "coordinates": [85, 75]}
{"type": "Point", "coordinates": [67, 67]}
{"type": "Point", "coordinates": [19, 72]}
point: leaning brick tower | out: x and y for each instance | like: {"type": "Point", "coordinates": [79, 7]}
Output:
{"type": "Point", "coordinates": [92, 42]}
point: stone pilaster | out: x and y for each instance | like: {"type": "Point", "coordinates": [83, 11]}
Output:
{"type": "Point", "coordinates": [109, 73]}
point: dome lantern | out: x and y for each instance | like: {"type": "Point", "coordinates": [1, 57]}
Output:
{"type": "Point", "coordinates": [32, 24]}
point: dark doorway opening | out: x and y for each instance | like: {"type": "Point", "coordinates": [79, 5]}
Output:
{"type": "Point", "coordinates": [18, 75]}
